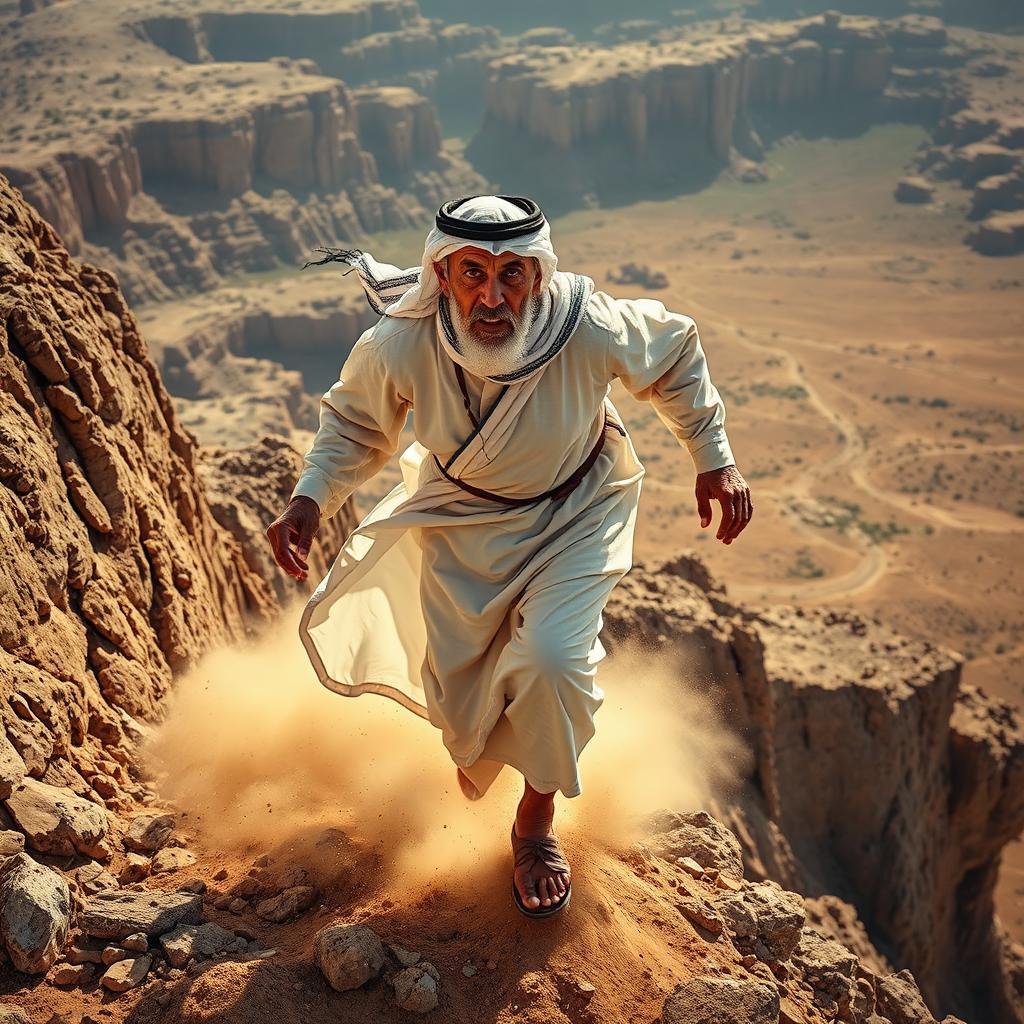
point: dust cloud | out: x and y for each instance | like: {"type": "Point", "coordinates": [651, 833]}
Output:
{"type": "Point", "coordinates": [259, 754]}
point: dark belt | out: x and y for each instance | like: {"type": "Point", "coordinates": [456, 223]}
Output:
{"type": "Point", "coordinates": [560, 491]}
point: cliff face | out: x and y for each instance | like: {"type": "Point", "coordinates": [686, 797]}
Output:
{"type": "Point", "coordinates": [573, 96]}
{"type": "Point", "coordinates": [118, 574]}
{"type": "Point", "coordinates": [399, 127]}
{"type": "Point", "coordinates": [877, 777]}
{"type": "Point", "coordinates": [178, 149]}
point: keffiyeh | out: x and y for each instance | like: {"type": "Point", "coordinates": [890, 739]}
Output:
{"type": "Point", "coordinates": [415, 291]}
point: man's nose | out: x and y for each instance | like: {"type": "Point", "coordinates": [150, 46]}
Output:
{"type": "Point", "coordinates": [492, 296]}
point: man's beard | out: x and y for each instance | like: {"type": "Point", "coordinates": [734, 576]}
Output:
{"type": "Point", "coordinates": [500, 356]}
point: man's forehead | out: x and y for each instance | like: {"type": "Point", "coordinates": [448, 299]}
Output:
{"type": "Point", "coordinates": [471, 253]}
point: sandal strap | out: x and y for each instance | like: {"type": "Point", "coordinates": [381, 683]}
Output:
{"type": "Point", "coordinates": [527, 852]}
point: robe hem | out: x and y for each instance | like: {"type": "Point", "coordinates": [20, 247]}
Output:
{"type": "Point", "coordinates": [352, 689]}
{"type": "Point", "coordinates": [556, 787]}
{"type": "Point", "coordinates": [384, 690]}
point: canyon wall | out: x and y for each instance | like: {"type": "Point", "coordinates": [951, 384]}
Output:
{"type": "Point", "coordinates": [199, 168]}
{"type": "Point", "coordinates": [703, 83]}
{"type": "Point", "coordinates": [118, 574]}
{"type": "Point", "coordinates": [877, 777]}
{"type": "Point", "coordinates": [301, 141]}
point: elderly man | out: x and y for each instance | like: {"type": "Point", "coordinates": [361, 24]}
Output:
{"type": "Point", "coordinates": [472, 593]}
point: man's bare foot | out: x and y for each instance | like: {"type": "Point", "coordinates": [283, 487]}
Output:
{"type": "Point", "coordinates": [538, 884]}
{"type": "Point", "coordinates": [467, 787]}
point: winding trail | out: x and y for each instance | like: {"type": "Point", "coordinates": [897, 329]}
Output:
{"type": "Point", "coordinates": [851, 457]}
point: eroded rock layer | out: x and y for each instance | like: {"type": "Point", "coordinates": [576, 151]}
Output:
{"type": "Point", "coordinates": [878, 778]}
{"type": "Point", "coordinates": [179, 149]}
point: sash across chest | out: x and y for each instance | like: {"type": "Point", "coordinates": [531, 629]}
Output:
{"type": "Point", "coordinates": [558, 492]}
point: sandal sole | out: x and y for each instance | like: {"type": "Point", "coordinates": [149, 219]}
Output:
{"type": "Point", "coordinates": [555, 908]}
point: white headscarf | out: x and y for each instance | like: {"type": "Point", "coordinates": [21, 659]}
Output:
{"type": "Point", "coordinates": [416, 292]}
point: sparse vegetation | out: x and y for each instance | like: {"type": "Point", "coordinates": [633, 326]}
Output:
{"type": "Point", "coordinates": [790, 392]}
{"type": "Point", "coordinates": [804, 567]}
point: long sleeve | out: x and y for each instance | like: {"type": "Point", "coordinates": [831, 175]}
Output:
{"type": "Point", "coordinates": [361, 421]}
{"type": "Point", "coordinates": [658, 356]}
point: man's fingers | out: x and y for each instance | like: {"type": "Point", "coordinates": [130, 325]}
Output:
{"type": "Point", "coordinates": [305, 542]}
{"type": "Point", "coordinates": [744, 512]}
{"type": "Point", "coordinates": [738, 518]}
{"type": "Point", "coordinates": [703, 506]}
{"type": "Point", "coordinates": [728, 516]}
{"type": "Point", "coordinates": [279, 535]}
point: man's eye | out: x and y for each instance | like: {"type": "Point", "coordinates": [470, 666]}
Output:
{"type": "Point", "coordinates": [472, 272]}
{"type": "Point", "coordinates": [513, 273]}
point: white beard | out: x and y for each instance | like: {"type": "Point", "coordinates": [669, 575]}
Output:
{"type": "Point", "coordinates": [495, 358]}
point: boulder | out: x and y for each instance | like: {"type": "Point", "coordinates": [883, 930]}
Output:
{"type": "Point", "coordinates": [137, 942]}
{"type": "Point", "coordinates": [11, 843]}
{"type": "Point", "coordinates": [348, 955]}
{"type": "Point", "coordinates": [35, 912]}
{"type": "Point", "coordinates": [416, 988]}
{"type": "Point", "coordinates": [202, 942]}
{"type": "Point", "coordinates": [722, 1000]}
{"type": "Point", "coordinates": [701, 913]}
{"type": "Point", "coordinates": [135, 868]}
{"type": "Point", "coordinates": [113, 954]}
{"type": "Point", "coordinates": [699, 836]}
{"type": "Point", "coordinates": [92, 878]}
{"type": "Point", "coordinates": [828, 967]}
{"type": "Point", "coordinates": [766, 911]}
{"type": "Point", "coordinates": [172, 858]}
{"type": "Point", "coordinates": [116, 914]}
{"type": "Point", "coordinates": [55, 820]}
{"type": "Point", "coordinates": [898, 998]}
{"type": "Point", "coordinates": [126, 974]}
{"type": "Point", "coordinates": [286, 905]}
{"type": "Point", "coordinates": [73, 974]}
{"type": "Point", "coordinates": [149, 832]}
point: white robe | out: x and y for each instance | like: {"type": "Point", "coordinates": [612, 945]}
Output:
{"type": "Point", "coordinates": [480, 617]}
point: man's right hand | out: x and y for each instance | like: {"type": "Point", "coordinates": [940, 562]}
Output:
{"type": "Point", "coordinates": [297, 524]}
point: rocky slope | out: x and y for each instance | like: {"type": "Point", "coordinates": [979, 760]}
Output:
{"type": "Point", "coordinates": [119, 574]}
{"type": "Point", "coordinates": [877, 777]}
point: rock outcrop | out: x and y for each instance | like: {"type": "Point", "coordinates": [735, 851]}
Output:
{"type": "Point", "coordinates": [184, 167]}
{"type": "Point", "coordinates": [399, 127]}
{"type": "Point", "coordinates": [248, 488]}
{"type": "Point", "coordinates": [982, 148]}
{"type": "Point", "coordinates": [119, 574]}
{"type": "Point", "coordinates": [878, 777]}
{"type": "Point", "coordinates": [699, 83]}
{"type": "Point", "coordinates": [122, 575]}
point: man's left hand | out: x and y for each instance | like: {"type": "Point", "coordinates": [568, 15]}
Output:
{"type": "Point", "coordinates": [728, 487]}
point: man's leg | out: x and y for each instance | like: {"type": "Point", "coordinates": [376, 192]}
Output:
{"type": "Point", "coordinates": [539, 886]}
{"type": "Point", "coordinates": [549, 672]}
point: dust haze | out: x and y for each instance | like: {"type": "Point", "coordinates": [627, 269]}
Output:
{"type": "Point", "coordinates": [259, 753]}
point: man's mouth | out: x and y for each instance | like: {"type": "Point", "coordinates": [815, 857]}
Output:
{"type": "Point", "coordinates": [492, 326]}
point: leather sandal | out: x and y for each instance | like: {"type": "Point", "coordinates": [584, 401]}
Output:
{"type": "Point", "coordinates": [526, 853]}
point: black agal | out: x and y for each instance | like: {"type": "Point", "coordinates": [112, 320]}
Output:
{"type": "Point", "coordinates": [483, 231]}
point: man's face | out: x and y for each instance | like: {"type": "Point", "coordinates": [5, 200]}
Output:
{"type": "Point", "coordinates": [489, 290]}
